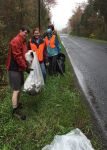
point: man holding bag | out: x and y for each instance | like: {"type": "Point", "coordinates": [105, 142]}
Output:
{"type": "Point", "coordinates": [16, 65]}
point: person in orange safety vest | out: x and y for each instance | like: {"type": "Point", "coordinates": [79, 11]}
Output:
{"type": "Point", "coordinates": [37, 44]}
{"type": "Point", "coordinates": [53, 49]}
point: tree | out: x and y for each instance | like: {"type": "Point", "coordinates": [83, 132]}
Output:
{"type": "Point", "coordinates": [50, 2]}
{"type": "Point", "coordinates": [101, 8]}
{"type": "Point", "coordinates": [90, 21]}
{"type": "Point", "coordinates": [14, 14]}
{"type": "Point", "coordinates": [75, 20]}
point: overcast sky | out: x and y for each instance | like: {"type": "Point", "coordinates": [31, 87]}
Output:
{"type": "Point", "coordinates": [63, 11]}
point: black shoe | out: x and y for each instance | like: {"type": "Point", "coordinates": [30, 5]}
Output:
{"type": "Point", "coordinates": [20, 106]}
{"type": "Point", "coordinates": [18, 114]}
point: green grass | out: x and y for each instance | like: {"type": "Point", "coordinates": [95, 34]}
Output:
{"type": "Point", "coordinates": [56, 110]}
{"type": "Point", "coordinates": [93, 39]}
{"type": "Point", "coordinates": [98, 40]}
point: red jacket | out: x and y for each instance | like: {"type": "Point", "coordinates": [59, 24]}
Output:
{"type": "Point", "coordinates": [18, 48]}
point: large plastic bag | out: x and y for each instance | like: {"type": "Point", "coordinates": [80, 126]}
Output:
{"type": "Point", "coordinates": [61, 63]}
{"type": "Point", "coordinates": [34, 81]}
{"type": "Point", "coordinates": [74, 140]}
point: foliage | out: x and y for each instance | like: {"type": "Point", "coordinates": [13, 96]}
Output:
{"type": "Point", "coordinates": [74, 21]}
{"type": "Point", "coordinates": [101, 6]}
{"type": "Point", "coordinates": [92, 20]}
{"type": "Point", "coordinates": [50, 2]}
{"type": "Point", "coordinates": [14, 14]}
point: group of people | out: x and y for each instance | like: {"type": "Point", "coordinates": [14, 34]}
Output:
{"type": "Point", "coordinates": [46, 47]}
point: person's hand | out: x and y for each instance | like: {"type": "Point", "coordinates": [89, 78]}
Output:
{"type": "Point", "coordinates": [47, 63]}
{"type": "Point", "coordinates": [28, 70]}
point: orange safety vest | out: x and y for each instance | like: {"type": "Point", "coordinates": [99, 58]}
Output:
{"type": "Point", "coordinates": [39, 51]}
{"type": "Point", "coordinates": [50, 42]}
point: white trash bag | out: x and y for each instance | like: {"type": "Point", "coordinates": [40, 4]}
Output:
{"type": "Point", "coordinates": [74, 140]}
{"type": "Point", "coordinates": [34, 82]}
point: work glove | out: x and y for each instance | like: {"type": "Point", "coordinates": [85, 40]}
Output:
{"type": "Point", "coordinates": [47, 64]}
{"type": "Point", "coordinates": [28, 70]}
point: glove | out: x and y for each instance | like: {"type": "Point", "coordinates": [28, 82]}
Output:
{"type": "Point", "coordinates": [47, 63]}
{"type": "Point", "coordinates": [28, 70]}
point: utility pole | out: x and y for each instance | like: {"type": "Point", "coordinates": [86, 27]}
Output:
{"type": "Point", "coordinates": [21, 13]}
{"type": "Point", "coordinates": [39, 23]}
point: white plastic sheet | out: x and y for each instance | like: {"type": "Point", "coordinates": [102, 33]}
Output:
{"type": "Point", "coordinates": [74, 140]}
{"type": "Point", "coordinates": [34, 81]}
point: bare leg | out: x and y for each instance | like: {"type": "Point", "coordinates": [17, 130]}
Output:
{"type": "Point", "coordinates": [15, 98]}
{"type": "Point", "coordinates": [16, 111]}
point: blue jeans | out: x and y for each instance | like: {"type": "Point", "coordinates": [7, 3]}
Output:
{"type": "Point", "coordinates": [43, 69]}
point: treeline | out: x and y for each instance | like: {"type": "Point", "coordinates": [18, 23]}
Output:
{"type": "Point", "coordinates": [16, 13]}
{"type": "Point", "coordinates": [90, 19]}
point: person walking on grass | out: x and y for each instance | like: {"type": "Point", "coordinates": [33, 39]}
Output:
{"type": "Point", "coordinates": [37, 44]}
{"type": "Point", "coordinates": [16, 65]}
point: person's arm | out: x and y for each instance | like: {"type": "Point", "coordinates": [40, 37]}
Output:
{"type": "Point", "coordinates": [45, 56]}
{"type": "Point", "coordinates": [57, 43]}
{"type": "Point", "coordinates": [44, 35]}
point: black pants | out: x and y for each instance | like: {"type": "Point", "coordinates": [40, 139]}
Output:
{"type": "Point", "coordinates": [52, 69]}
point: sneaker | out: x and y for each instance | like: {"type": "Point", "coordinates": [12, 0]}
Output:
{"type": "Point", "coordinates": [18, 114]}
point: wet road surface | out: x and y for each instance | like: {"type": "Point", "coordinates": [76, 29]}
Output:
{"type": "Point", "coordinates": [89, 60]}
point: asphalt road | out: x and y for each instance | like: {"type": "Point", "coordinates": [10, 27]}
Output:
{"type": "Point", "coordinates": [89, 60]}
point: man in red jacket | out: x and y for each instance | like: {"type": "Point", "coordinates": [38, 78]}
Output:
{"type": "Point", "coordinates": [16, 65]}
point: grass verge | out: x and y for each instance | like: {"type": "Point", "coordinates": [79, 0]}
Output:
{"type": "Point", "coordinates": [92, 39]}
{"type": "Point", "coordinates": [56, 110]}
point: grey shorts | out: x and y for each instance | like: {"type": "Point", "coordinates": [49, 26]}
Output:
{"type": "Point", "coordinates": [16, 80]}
